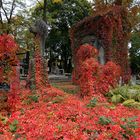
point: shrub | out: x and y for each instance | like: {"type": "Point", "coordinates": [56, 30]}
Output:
{"type": "Point", "coordinates": [128, 95]}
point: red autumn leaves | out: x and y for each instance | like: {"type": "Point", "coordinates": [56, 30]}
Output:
{"type": "Point", "coordinates": [92, 77]}
{"type": "Point", "coordinates": [8, 49]}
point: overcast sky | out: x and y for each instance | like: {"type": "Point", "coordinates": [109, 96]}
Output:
{"type": "Point", "coordinates": [32, 2]}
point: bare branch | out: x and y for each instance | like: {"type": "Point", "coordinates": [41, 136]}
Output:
{"type": "Point", "coordinates": [1, 21]}
{"type": "Point", "coordinates": [40, 3]}
{"type": "Point", "coordinates": [12, 9]}
{"type": "Point", "coordinates": [0, 3]}
{"type": "Point", "coordinates": [5, 13]}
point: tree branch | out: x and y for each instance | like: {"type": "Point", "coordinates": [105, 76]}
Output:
{"type": "Point", "coordinates": [39, 3]}
{"type": "Point", "coordinates": [12, 9]}
{"type": "Point", "coordinates": [5, 13]}
{"type": "Point", "coordinates": [44, 10]}
{"type": "Point", "coordinates": [1, 20]}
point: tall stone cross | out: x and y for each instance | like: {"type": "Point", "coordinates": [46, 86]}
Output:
{"type": "Point", "coordinates": [38, 71]}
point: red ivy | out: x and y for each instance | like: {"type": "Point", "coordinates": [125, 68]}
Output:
{"type": "Point", "coordinates": [9, 68]}
{"type": "Point", "coordinates": [8, 49]}
{"type": "Point", "coordinates": [92, 77]}
{"type": "Point", "coordinates": [112, 28]}
{"type": "Point", "coordinates": [61, 116]}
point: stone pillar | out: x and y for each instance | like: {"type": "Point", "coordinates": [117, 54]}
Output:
{"type": "Point", "coordinates": [40, 30]}
{"type": "Point", "coordinates": [101, 56]}
{"type": "Point", "coordinates": [41, 74]}
{"type": "Point", "coordinates": [45, 71]}
{"type": "Point", "coordinates": [133, 80]}
{"type": "Point", "coordinates": [15, 79]}
{"type": "Point", "coordinates": [32, 71]}
{"type": "Point", "coordinates": [38, 74]}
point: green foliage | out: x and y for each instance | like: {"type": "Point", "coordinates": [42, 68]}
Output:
{"type": "Point", "coordinates": [92, 103]}
{"type": "Point", "coordinates": [61, 16]}
{"type": "Point", "coordinates": [68, 12]}
{"type": "Point", "coordinates": [59, 127]}
{"type": "Point", "coordinates": [31, 98]}
{"type": "Point", "coordinates": [129, 124]}
{"type": "Point", "coordinates": [104, 120]}
{"type": "Point", "coordinates": [65, 88]}
{"type": "Point", "coordinates": [13, 126]}
{"type": "Point", "coordinates": [34, 98]}
{"type": "Point", "coordinates": [17, 136]}
{"type": "Point", "coordinates": [9, 21]}
{"type": "Point", "coordinates": [71, 91]}
{"type": "Point", "coordinates": [128, 95]}
{"type": "Point", "coordinates": [129, 102]}
{"type": "Point", "coordinates": [33, 86]}
{"type": "Point", "coordinates": [116, 98]}
{"type": "Point", "coordinates": [135, 52]}
{"type": "Point", "coordinates": [57, 99]}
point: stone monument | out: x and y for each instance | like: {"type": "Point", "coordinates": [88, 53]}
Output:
{"type": "Point", "coordinates": [38, 65]}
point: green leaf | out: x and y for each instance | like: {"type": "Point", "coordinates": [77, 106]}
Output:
{"type": "Point", "coordinates": [15, 122]}
{"type": "Point", "coordinates": [136, 105]}
{"type": "Point", "coordinates": [116, 98]}
{"type": "Point", "coordinates": [129, 102]}
{"type": "Point", "coordinates": [58, 99]}
{"type": "Point", "coordinates": [92, 103]}
{"type": "Point", "coordinates": [104, 120]}
{"type": "Point", "coordinates": [13, 128]}
{"type": "Point", "coordinates": [34, 98]}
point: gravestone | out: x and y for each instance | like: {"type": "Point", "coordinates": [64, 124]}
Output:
{"type": "Point", "coordinates": [101, 56]}
{"type": "Point", "coordinates": [4, 86]}
{"type": "Point", "coordinates": [133, 80]}
{"type": "Point", "coordinates": [92, 40]}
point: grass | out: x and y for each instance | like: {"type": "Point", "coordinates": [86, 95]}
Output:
{"type": "Point", "coordinates": [67, 87]}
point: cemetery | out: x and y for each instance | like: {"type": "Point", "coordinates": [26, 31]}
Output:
{"type": "Point", "coordinates": [70, 78]}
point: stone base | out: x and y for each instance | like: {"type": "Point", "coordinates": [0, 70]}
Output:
{"type": "Point", "coordinates": [38, 74]}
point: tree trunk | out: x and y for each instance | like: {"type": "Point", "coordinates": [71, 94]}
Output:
{"type": "Point", "coordinates": [45, 10]}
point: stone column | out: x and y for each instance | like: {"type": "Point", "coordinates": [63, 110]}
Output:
{"type": "Point", "coordinates": [32, 72]}
{"type": "Point", "coordinates": [40, 30]}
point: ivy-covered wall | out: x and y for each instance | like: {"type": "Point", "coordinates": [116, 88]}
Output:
{"type": "Point", "coordinates": [111, 31]}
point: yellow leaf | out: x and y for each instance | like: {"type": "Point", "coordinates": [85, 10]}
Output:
{"type": "Point", "coordinates": [134, 10]}
{"type": "Point", "coordinates": [129, 102]}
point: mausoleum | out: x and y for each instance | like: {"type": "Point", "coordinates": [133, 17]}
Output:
{"type": "Point", "coordinates": [108, 31]}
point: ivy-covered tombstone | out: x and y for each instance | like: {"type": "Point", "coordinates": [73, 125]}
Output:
{"type": "Point", "coordinates": [8, 61]}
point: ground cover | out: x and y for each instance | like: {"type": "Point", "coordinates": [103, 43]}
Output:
{"type": "Point", "coordinates": [67, 87]}
{"type": "Point", "coordinates": [51, 114]}
{"type": "Point", "coordinates": [57, 113]}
